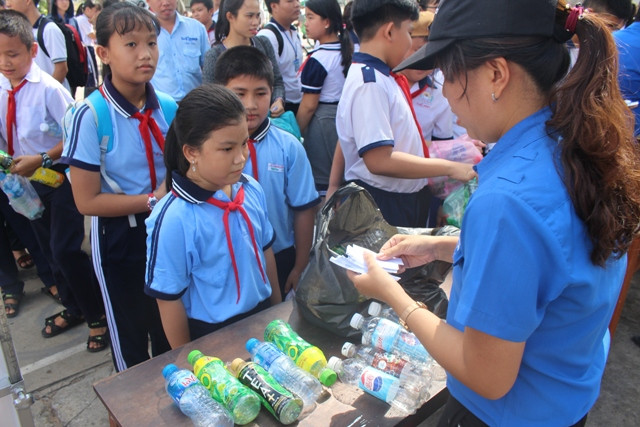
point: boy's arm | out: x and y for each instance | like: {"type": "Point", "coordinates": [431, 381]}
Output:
{"type": "Point", "coordinates": [272, 274]}
{"type": "Point", "coordinates": [303, 235]}
{"type": "Point", "coordinates": [174, 322]}
{"type": "Point", "coordinates": [336, 177]}
{"type": "Point", "coordinates": [60, 70]}
{"type": "Point", "coordinates": [308, 106]}
{"type": "Point", "coordinates": [386, 162]}
{"type": "Point", "coordinates": [27, 165]}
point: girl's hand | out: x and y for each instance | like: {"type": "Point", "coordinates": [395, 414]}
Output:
{"type": "Point", "coordinates": [462, 171]}
{"type": "Point", "coordinates": [277, 108]}
{"type": "Point", "coordinates": [375, 283]}
{"type": "Point", "coordinates": [26, 165]}
{"type": "Point", "coordinates": [413, 250]}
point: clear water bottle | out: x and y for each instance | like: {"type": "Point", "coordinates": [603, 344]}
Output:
{"type": "Point", "coordinates": [407, 371]}
{"type": "Point", "coordinates": [194, 399]}
{"type": "Point", "coordinates": [379, 310]}
{"type": "Point", "coordinates": [285, 371]}
{"type": "Point", "coordinates": [389, 336]}
{"type": "Point", "coordinates": [23, 198]}
{"type": "Point", "coordinates": [377, 383]}
{"type": "Point", "coordinates": [51, 128]}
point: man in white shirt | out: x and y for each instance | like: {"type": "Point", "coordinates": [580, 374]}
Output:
{"type": "Point", "coordinates": [56, 63]}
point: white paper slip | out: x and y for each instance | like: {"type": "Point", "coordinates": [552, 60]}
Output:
{"type": "Point", "coordinates": [357, 252]}
{"type": "Point", "coordinates": [349, 264]}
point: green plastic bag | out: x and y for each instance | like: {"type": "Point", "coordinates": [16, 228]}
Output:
{"type": "Point", "coordinates": [456, 202]}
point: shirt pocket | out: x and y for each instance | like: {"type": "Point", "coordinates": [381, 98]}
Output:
{"type": "Point", "coordinates": [192, 59]}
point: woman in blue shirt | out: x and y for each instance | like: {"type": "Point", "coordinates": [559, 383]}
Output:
{"type": "Point", "coordinates": [539, 263]}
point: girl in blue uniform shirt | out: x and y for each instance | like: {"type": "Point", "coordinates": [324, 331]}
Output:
{"type": "Point", "coordinates": [209, 261]}
{"type": "Point", "coordinates": [322, 78]}
{"type": "Point", "coordinates": [526, 337]}
{"type": "Point", "coordinates": [119, 184]}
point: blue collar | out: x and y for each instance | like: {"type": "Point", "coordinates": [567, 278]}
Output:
{"type": "Point", "coordinates": [187, 190]}
{"type": "Point", "coordinates": [425, 82]}
{"type": "Point", "coordinates": [121, 104]}
{"type": "Point", "coordinates": [261, 132]}
{"type": "Point", "coordinates": [372, 61]}
{"type": "Point", "coordinates": [280, 27]}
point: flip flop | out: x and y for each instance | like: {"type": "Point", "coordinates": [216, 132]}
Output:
{"type": "Point", "coordinates": [57, 330]}
{"type": "Point", "coordinates": [47, 292]}
{"type": "Point", "coordinates": [15, 306]}
{"type": "Point", "coordinates": [25, 261]}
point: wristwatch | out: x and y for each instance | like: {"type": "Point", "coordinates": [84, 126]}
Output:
{"type": "Point", "coordinates": [404, 316]}
{"type": "Point", "coordinates": [46, 160]}
{"type": "Point", "coordinates": [151, 202]}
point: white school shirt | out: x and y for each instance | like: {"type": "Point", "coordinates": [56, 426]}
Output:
{"type": "Point", "coordinates": [322, 73]}
{"type": "Point", "coordinates": [53, 40]}
{"type": "Point", "coordinates": [290, 60]}
{"type": "Point", "coordinates": [432, 109]}
{"type": "Point", "coordinates": [85, 28]}
{"type": "Point", "coordinates": [42, 99]}
{"type": "Point", "coordinates": [373, 112]}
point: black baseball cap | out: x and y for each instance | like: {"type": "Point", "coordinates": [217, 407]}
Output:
{"type": "Point", "coordinates": [473, 19]}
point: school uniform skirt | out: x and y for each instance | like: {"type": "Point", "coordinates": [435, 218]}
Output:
{"type": "Point", "coordinates": [320, 141]}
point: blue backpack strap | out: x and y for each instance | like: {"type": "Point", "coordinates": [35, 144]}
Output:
{"type": "Point", "coordinates": [100, 109]}
{"type": "Point", "coordinates": [168, 106]}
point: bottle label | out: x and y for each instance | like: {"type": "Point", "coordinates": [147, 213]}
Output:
{"type": "Point", "coordinates": [274, 397]}
{"type": "Point", "coordinates": [411, 346]}
{"type": "Point", "coordinates": [376, 383]}
{"type": "Point", "coordinates": [309, 358]}
{"type": "Point", "coordinates": [286, 340]}
{"type": "Point", "coordinates": [388, 363]}
{"type": "Point", "coordinates": [223, 386]}
{"type": "Point", "coordinates": [179, 383]}
{"type": "Point", "coordinates": [384, 334]}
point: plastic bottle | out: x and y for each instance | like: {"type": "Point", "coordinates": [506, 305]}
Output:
{"type": "Point", "coordinates": [194, 399]}
{"type": "Point", "coordinates": [377, 383]}
{"type": "Point", "coordinates": [51, 128]}
{"type": "Point", "coordinates": [377, 309]}
{"type": "Point", "coordinates": [241, 402]}
{"type": "Point", "coordinates": [22, 196]}
{"type": "Point", "coordinates": [389, 336]}
{"type": "Point", "coordinates": [283, 405]}
{"type": "Point", "coordinates": [308, 357]}
{"type": "Point", "coordinates": [407, 371]}
{"type": "Point", "coordinates": [5, 160]}
{"type": "Point", "coordinates": [285, 371]}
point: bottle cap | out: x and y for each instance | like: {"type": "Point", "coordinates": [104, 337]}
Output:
{"type": "Point", "coordinates": [348, 349]}
{"type": "Point", "coordinates": [193, 356]}
{"type": "Point", "coordinates": [375, 308]}
{"type": "Point", "coordinates": [356, 321]}
{"type": "Point", "coordinates": [44, 127]}
{"type": "Point", "coordinates": [236, 365]}
{"type": "Point", "coordinates": [328, 377]}
{"type": "Point", "coordinates": [334, 364]}
{"type": "Point", "coordinates": [251, 344]}
{"type": "Point", "coordinates": [168, 370]}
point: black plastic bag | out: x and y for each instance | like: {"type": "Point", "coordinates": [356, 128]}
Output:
{"type": "Point", "coordinates": [325, 296]}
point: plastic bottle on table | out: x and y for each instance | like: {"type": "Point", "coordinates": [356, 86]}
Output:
{"type": "Point", "coordinates": [285, 371]}
{"type": "Point", "coordinates": [194, 399]}
{"type": "Point", "coordinates": [308, 357]}
{"type": "Point", "coordinates": [379, 384]}
{"type": "Point", "coordinates": [283, 405]}
{"type": "Point", "coordinates": [389, 336]}
{"type": "Point", "coordinates": [22, 196]}
{"type": "Point", "coordinates": [51, 128]}
{"type": "Point", "coordinates": [378, 310]}
{"type": "Point", "coordinates": [240, 401]}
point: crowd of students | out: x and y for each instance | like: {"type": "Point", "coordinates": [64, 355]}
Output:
{"type": "Point", "coordinates": [202, 211]}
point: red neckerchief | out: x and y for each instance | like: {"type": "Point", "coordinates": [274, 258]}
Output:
{"type": "Point", "coordinates": [147, 123]}
{"type": "Point", "coordinates": [236, 205]}
{"type": "Point", "coordinates": [404, 86]}
{"type": "Point", "coordinates": [11, 114]}
{"type": "Point", "coordinates": [254, 158]}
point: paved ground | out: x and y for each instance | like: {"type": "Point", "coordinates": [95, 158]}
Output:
{"type": "Point", "coordinates": [60, 373]}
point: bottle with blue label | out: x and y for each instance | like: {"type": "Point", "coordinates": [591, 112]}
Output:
{"type": "Point", "coordinates": [390, 336]}
{"type": "Point", "coordinates": [21, 194]}
{"type": "Point", "coordinates": [379, 384]}
{"type": "Point", "coordinates": [194, 399]}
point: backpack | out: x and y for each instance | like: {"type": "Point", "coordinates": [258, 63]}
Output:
{"type": "Point", "coordinates": [77, 64]}
{"type": "Point", "coordinates": [271, 27]}
{"type": "Point", "coordinates": [98, 106]}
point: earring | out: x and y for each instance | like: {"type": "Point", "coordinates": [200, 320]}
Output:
{"type": "Point", "coordinates": [493, 97]}
{"type": "Point", "coordinates": [193, 168]}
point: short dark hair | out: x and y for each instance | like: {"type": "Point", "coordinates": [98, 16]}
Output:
{"type": "Point", "coordinates": [15, 24]}
{"type": "Point", "coordinates": [368, 24]}
{"type": "Point", "coordinates": [243, 61]}
{"type": "Point", "coordinates": [207, 3]}
{"type": "Point", "coordinates": [269, 2]}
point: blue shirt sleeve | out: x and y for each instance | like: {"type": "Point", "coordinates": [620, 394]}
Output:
{"type": "Point", "coordinates": [313, 76]}
{"type": "Point", "coordinates": [81, 147]}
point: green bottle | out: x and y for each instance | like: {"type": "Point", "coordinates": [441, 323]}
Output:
{"type": "Point", "coordinates": [282, 404]}
{"type": "Point", "coordinates": [307, 356]}
{"type": "Point", "coordinates": [242, 402]}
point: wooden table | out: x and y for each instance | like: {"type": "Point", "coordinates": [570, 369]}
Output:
{"type": "Point", "coordinates": [136, 397]}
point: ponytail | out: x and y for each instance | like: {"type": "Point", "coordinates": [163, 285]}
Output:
{"type": "Point", "coordinates": [346, 49]}
{"type": "Point", "coordinates": [174, 159]}
{"type": "Point", "coordinates": [599, 155]}
{"type": "Point", "coordinates": [330, 9]}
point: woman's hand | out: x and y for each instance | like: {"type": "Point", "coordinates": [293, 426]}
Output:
{"type": "Point", "coordinates": [277, 108]}
{"type": "Point", "coordinates": [413, 250]}
{"type": "Point", "coordinates": [375, 283]}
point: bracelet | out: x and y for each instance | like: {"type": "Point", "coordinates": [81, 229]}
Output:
{"type": "Point", "coordinates": [151, 201]}
{"type": "Point", "coordinates": [408, 311]}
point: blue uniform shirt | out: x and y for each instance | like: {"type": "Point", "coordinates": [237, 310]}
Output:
{"type": "Point", "coordinates": [181, 57]}
{"type": "Point", "coordinates": [126, 159]}
{"type": "Point", "coordinates": [285, 174]}
{"type": "Point", "coordinates": [522, 273]}
{"type": "Point", "coordinates": [628, 42]}
{"type": "Point", "coordinates": [188, 256]}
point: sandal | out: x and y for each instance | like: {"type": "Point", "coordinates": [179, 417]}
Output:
{"type": "Point", "coordinates": [25, 261]}
{"type": "Point", "coordinates": [101, 340]}
{"type": "Point", "coordinates": [15, 306]}
{"type": "Point", "coordinates": [54, 296]}
{"type": "Point", "coordinates": [56, 329]}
